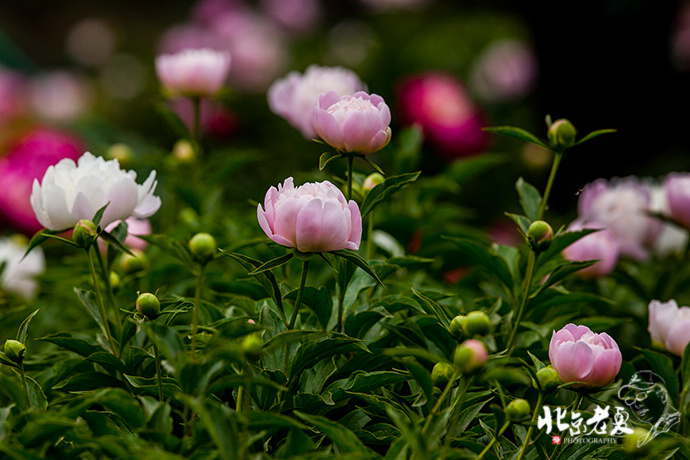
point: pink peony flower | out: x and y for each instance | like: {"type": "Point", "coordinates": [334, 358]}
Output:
{"type": "Point", "coordinates": [193, 72]}
{"type": "Point", "coordinates": [580, 355]}
{"type": "Point", "coordinates": [297, 16]}
{"type": "Point", "coordinates": [677, 187]}
{"type": "Point", "coordinates": [295, 96]}
{"type": "Point", "coordinates": [27, 161]}
{"type": "Point", "coordinates": [669, 325]}
{"type": "Point", "coordinates": [314, 217]}
{"type": "Point", "coordinates": [357, 123]}
{"type": "Point", "coordinates": [506, 70]}
{"type": "Point", "coordinates": [70, 192]}
{"type": "Point", "coordinates": [622, 206]}
{"type": "Point", "coordinates": [600, 245]}
{"type": "Point", "coordinates": [446, 113]}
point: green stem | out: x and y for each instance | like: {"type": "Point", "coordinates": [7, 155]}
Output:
{"type": "Point", "coordinates": [197, 306]}
{"type": "Point", "coordinates": [531, 262]}
{"type": "Point", "coordinates": [544, 199]}
{"type": "Point", "coordinates": [240, 397]}
{"type": "Point", "coordinates": [457, 405]}
{"type": "Point", "coordinates": [159, 372]}
{"type": "Point", "coordinates": [350, 165]}
{"type": "Point", "coordinates": [493, 441]}
{"type": "Point", "coordinates": [101, 305]}
{"type": "Point", "coordinates": [109, 292]}
{"type": "Point", "coordinates": [535, 416]}
{"type": "Point", "coordinates": [302, 282]}
{"type": "Point", "coordinates": [578, 401]}
{"type": "Point", "coordinates": [25, 386]}
{"type": "Point", "coordinates": [196, 134]}
{"type": "Point", "coordinates": [341, 301]}
{"type": "Point", "coordinates": [437, 406]}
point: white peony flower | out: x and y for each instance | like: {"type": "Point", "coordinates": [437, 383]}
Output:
{"type": "Point", "coordinates": [70, 192]}
{"type": "Point", "coordinates": [18, 273]}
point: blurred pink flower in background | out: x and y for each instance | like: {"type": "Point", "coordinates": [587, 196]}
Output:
{"type": "Point", "coordinates": [672, 238]}
{"type": "Point", "coordinates": [12, 94]}
{"type": "Point", "coordinates": [216, 120]}
{"type": "Point", "coordinates": [353, 123]}
{"type": "Point", "coordinates": [314, 217]}
{"type": "Point", "coordinates": [60, 96]}
{"type": "Point", "coordinates": [677, 187]}
{"type": "Point", "coordinates": [669, 325]}
{"type": "Point", "coordinates": [506, 69]}
{"type": "Point", "coordinates": [135, 227]}
{"type": "Point", "coordinates": [193, 72]}
{"type": "Point", "coordinates": [580, 355]}
{"type": "Point", "coordinates": [28, 160]}
{"type": "Point", "coordinates": [446, 113]}
{"type": "Point", "coordinates": [295, 96]}
{"type": "Point", "coordinates": [622, 206]}
{"type": "Point", "coordinates": [600, 245]}
{"type": "Point", "coordinates": [385, 5]}
{"type": "Point", "coordinates": [296, 16]}
{"type": "Point", "coordinates": [20, 269]}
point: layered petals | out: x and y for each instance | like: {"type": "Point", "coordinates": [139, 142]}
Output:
{"type": "Point", "coordinates": [669, 325]}
{"type": "Point", "coordinates": [193, 72]}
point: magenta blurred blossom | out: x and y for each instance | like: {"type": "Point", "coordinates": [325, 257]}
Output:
{"type": "Point", "coordinates": [296, 16]}
{"type": "Point", "coordinates": [669, 325]}
{"type": "Point", "coordinates": [72, 191]}
{"type": "Point", "coordinates": [600, 245]}
{"type": "Point", "coordinates": [20, 269]}
{"type": "Point", "coordinates": [356, 123]}
{"type": "Point", "coordinates": [193, 72]}
{"type": "Point", "coordinates": [12, 94]}
{"type": "Point", "coordinates": [314, 217]}
{"type": "Point", "coordinates": [622, 206]}
{"type": "Point", "coordinates": [506, 70]}
{"type": "Point", "coordinates": [27, 161]}
{"type": "Point", "coordinates": [444, 110]}
{"type": "Point", "coordinates": [60, 96]}
{"type": "Point", "coordinates": [295, 96]}
{"type": "Point", "coordinates": [580, 355]}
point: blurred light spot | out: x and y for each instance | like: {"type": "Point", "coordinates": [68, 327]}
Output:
{"type": "Point", "coordinates": [91, 42]}
{"type": "Point", "coordinates": [123, 76]}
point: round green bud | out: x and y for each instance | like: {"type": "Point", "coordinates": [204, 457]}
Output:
{"type": "Point", "coordinates": [540, 235]}
{"type": "Point", "coordinates": [548, 378]}
{"type": "Point", "coordinates": [15, 351]}
{"type": "Point", "coordinates": [114, 280]}
{"type": "Point", "coordinates": [561, 134]}
{"type": "Point", "coordinates": [469, 355]}
{"type": "Point", "coordinates": [518, 410]}
{"type": "Point", "coordinates": [252, 344]}
{"type": "Point", "coordinates": [149, 305]}
{"type": "Point", "coordinates": [476, 323]}
{"type": "Point", "coordinates": [137, 262]}
{"type": "Point", "coordinates": [85, 233]}
{"type": "Point", "coordinates": [441, 374]}
{"type": "Point", "coordinates": [455, 327]}
{"type": "Point", "coordinates": [636, 442]}
{"type": "Point", "coordinates": [372, 181]}
{"type": "Point", "coordinates": [203, 247]}
{"type": "Point", "coordinates": [183, 151]}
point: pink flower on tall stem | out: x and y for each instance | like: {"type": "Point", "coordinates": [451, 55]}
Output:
{"type": "Point", "coordinates": [193, 72]}
{"type": "Point", "coordinates": [600, 245]}
{"type": "Point", "coordinates": [669, 325]}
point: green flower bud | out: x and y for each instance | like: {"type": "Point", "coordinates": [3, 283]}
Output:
{"type": "Point", "coordinates": [518, 410]}
{"type": "Point", "coordinates": [133, 263]}
{"type": "Point", "coordinates": [15, 351]}
{"type": "Point", "coordinates": [183, 151]}
{"type": "Point", "coordinates": [540, 235]}
{"type": "Point", "coordinates": [372, 181]}
{"type": "Point", "coordinates": [455, 327]}
{"type": "Point", "coordinates": [203, 247]}
{"type": "Point", "coordinates": [252, 344]}
{"type": "Point", "coordinates": [476, 323]}
{"type": "Point", "coordinates": [85, 233]}
{"type": "Point", "coordinates": [636, 442]}
{"type": "Point", "coordinates": [441, 374]}
{"type": "Point", "coordinates": [469, 356]}
{"type": "Point", "coordinates": [548, 378]}
{"type": "Point", "coordinates": [148, 305]}
{"type": "Point", "coordinates": [114, 280]}
{"type": "Point", "coordinates": [561, 134]}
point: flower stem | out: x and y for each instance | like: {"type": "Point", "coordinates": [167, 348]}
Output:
{"type": "Point", "coordinates": [493, 441]}
{"type": "Point", "coordinates": [350, 165]}
{"type": "Point", "coordinates": [531, 262]}
{"type": "Point", "coordinates": [25, 385]}
{"type": "Point", "coordinates": [544, 199]}
{"type": "Point", "coordinates": [341, 301]}
{"type": "Point", "coordinates": [535, 415]}
{"type": "Point", "coordinates": [159, 373]}
{"type": "Point", "coordinates": [197, 306]}
{"type": "Point", "coordinates": [101, 305]}
{"type": "Point", "coordinates": [302, 282]}
{"type": "Point", "coordinates": [437, 406]}
{"type": "Point", "coordinates": [109, 290]}
{"type": "Point", "coordinates": [196, 130]}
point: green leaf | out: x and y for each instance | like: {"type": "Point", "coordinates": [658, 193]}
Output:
{"type": "Point", "coordinates": [517, 133]}
{"type": "Point", "coordinates": [113, 241]}
{"type": "Point", "coordinates": [344, 439]}
{"type": "Point", "coordinates": [530, 199]}
{"type": "Point", "coordinates": [88, 381]}
{"type": "Point", "coordinates": [594, 134]}
{"type": "Point", "coordinates": [319, 300]}
{"type": "Point", "coordinates": [463, 170]}
{"type": "Point", "coordinates": [326, 157]}
{"type": "Point", "coordinates": [150, 385]}
{"type": "Point", "coordinates": [357, 260]}
{"type": "Point", "coordinates": [261, 420]}
{"type": "Point", "coordinates": [46, 429]}
{"type": "Point", "coordinates": [88, 299]}
{"type": "Point", "coordinates": [172, 247]}
{"type": "Point", "coordinates": [522, 222]}
{"type": "Point", "coordinates": [54, 236]}
{"type": "Point", "coordinates": [384, 190]}
{"type": "Point", "coordinates": [107, 360]}
{"type": "Point", "coordinates": [41, 237]}
{"type": "Point", "coordinates": [99, 215]}
{"type": "Point", "coordinates": [662, 365]}
{"type": "Point", "coordinates": [311, 352]}
{"type": "Point", "coordinates": [23, 330]}
{"type": "Point", "coordinates": [38, 398]}
{"type": "Point", "coordinates": [494, 265]}
{"type": "Point", "coordinates": [372, 164]}
{"type": "Point", "coordinates": [273, 263]}
{"type": "Point", "coordinates": [76, 345]}
{"type": "Point", "coordinates": [437, 309]}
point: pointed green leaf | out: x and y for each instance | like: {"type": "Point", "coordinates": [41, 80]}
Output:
{"type": "Point", "coordinates": [385, 189]}
{"type": "Point", "coordinates": [271, 264]}
{"type": "Point", "coordinates": [517, 133]}
{"type": "Point", "coordinates": [530, 199]}
{"type": "Point", "coordinates": [435, 308]}
{"type": "Point", "coordinates": [353, 257]}
{"type": "Point", "coordinates": [594, 134]}
{"type": "Point", "coordinates": [99, 215]}
{"type": "Point", "coordinates": [522, 222]}
{"type": "Point", "coordinates": [76, 345]}
{"type": "Point", "coordinates": [346, 441]}
{"type": "Point", "coordinates": [41, 237]}
{"type": "Point", "coordinates": [112, 240]}
{"type": "Point", "coordinates": [372, 164]}
{"type": "Point", "coordinates": [23, 330]}
{"type": "Point", "coordinates": [327, 157]}
{"type": "Point", "coordinates": [88, 299]}
{"type": "Point", "coordinates": [492, 264]}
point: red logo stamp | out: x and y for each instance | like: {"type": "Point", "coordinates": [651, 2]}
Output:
{"type": "Point", "coordinates": [555, 439]}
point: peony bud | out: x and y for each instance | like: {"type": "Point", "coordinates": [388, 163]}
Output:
{"type": "Point", "coordinates": [85, 233]}
{"type": "Point", "coordinates": [203, 247]}
{"type": "Point", "coordinates": [561, 134]}
{"type": "Point", "coordinates": [133, 263]}
{"type": "Point", "coordinates": [518, 410]}
{"type": "Point", "coordinates": [548, 378]}
{"type": "Point", "coordinates": [476, 323]}
{"type": "Point", "coordinates": [469, 355]}
{"type": "Point", "coordinates": [539, 235]}
{"type": "Point", "coordinates": [148, 305]}
{"type": "Point", "coordinates": [252, 344]}
{"type": "Point", "coordinates": [372, 181]}
{"type": "Point", "coordinates": [114, 280]}
{"type": "Point", "coordinates": [441, 374]}
{"type": "Point", "coordinates": [15, 351]}
{"type": "Point", "coordinates": [456, 326]}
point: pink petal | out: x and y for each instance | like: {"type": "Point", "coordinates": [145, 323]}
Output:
{"type": "Point", "coordinates": [308, 225]}
{"type": "Point", "coordinates": [606, 367]}
{"type": "Point", "coordinates": [678, 337]}
{"type": "Point", "coordinates": [574, 362]}
{"type": "Point", "coordinates": [356, 226]}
